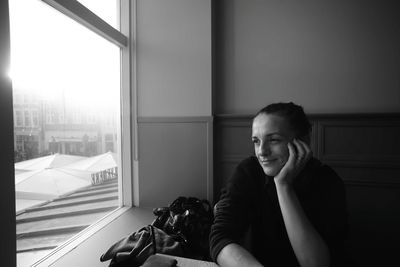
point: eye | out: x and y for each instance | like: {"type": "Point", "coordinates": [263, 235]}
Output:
{"type": "Point", "coordinates": [275, 140]}
{"type": "Point", "coordinates": [255, 141]}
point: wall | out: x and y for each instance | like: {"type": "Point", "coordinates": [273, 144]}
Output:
{"type": "Point", "coordinates": [174, 58]}
{"type": "Point", "coordinates": [173, 48]}
{"type": "Point", "coordinates": [7, 204]}
{"type": "Point", "coordinates": [330, 56]}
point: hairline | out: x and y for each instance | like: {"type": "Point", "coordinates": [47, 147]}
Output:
{"type": "Point", "coordinates": [296, 134]}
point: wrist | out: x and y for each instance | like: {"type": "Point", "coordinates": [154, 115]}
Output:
{"type": "Point", "coordinates": [283, 186]}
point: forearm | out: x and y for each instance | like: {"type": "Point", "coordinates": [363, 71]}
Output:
{"type": "Point", "coordinates": [233, 255]}
{"type": "Point", "coordinates": [309, 248]}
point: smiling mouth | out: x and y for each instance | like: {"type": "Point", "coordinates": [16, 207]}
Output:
{"type": "Point", "coordinates": [267, 162]}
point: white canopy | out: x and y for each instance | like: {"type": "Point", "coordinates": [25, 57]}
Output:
{"type": "Point", "coordinates": [52, 181]}
{"type": "Point", "coordinates": [51, 161]}
{"type": "Point", "coordinates": [48, 177]}
{"type": "Point", "coordinates": [95, 164]}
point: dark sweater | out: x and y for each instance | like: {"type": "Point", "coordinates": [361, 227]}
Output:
{"type": "Point", "coordinates": [250, 199]}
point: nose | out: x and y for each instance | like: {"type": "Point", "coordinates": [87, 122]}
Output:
{"type": "Point", "coordinates": [264, 149]}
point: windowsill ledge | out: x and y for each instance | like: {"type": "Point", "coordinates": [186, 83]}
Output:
{"type": "Point", "coordinates": [86, 248]}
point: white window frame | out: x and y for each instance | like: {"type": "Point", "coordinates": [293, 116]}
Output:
{"type": "Point", "coordinates": [128, 174]}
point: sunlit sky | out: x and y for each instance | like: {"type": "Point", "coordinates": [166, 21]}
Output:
{"type": "Point", "coordinates": [52, 55]}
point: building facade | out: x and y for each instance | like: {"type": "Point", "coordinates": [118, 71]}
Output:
{"type": "Point", "coordinates": [47, 126]}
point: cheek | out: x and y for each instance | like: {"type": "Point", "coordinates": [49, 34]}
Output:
{"type": "Point", "coordinates": [283, 157]}
{"type": "Point", "coordinates": [285, 152]}
{"type": "Point", "coordinates": [282, 151]}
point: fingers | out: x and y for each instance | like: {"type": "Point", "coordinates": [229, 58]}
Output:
{"type": "Point", "coordinates": [292, 154]}
{"type": "Point", "coordinates": [304, 152]}
{"type": "Point", "coordinates": [300, 151]}
{"type": "Point", "coordinates": [307, 150]}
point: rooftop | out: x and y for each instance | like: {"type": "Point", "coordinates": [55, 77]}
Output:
{"type": "Point", "coordinates": [42, 228]}
{"type": "Point", "coordinates": [58, 196]}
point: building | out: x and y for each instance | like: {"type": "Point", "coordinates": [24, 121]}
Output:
{"type": "Point", "coordinates": [47, 126]}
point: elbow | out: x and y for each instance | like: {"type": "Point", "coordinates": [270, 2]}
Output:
{"type": "Point", "coordinates": [314, 256]}
{"type": "Point", "coordinates": [324, 258]}
{"type": "Point", "coordinates": [321, 259]}
{"type": "Point", "coordinates": [233, 255]}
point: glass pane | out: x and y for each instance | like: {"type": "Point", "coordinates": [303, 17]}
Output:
{"type": "Point", "coordinates": [66, 99]}
{"type": "Point", "coordinates": [105, 9]}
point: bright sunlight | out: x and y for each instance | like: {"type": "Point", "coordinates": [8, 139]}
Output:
{"type": "Point", "coordinates": [52, 57]}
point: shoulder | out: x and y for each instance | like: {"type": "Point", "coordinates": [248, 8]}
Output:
{"type": "Point", "coordinates": [250, 167]}
{"type": "Point", "coordinates": [248, 173]}
{"type": "Point", "coordinates": [250, 162]}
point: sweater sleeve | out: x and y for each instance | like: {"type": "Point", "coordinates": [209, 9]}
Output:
{"type": "Point", "coordinates": [233, 210]}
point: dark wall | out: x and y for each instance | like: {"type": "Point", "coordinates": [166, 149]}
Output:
{"type": "Point", "coordinates": [329, 56]}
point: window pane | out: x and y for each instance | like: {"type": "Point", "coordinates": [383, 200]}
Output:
{"type": "Point", "coordinates": [66, 86]}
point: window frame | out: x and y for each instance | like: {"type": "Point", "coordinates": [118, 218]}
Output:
{"type": "Point", "coordinates": [128, 174]}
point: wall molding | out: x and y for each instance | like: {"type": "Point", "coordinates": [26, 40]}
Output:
{"type": "Point", "coordinates": [190, 119]}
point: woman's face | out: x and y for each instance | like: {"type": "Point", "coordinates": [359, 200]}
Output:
{"type": "Point", "coordinates": [270, 135]}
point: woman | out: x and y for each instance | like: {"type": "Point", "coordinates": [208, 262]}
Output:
{"type": "Point", "coordinates": [294, 205]}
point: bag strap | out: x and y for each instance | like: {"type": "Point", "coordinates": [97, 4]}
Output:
{"type": "Point", "coordinates": [153, 239]}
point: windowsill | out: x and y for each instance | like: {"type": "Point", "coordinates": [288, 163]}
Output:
{"type": "Point", "coordinates": [86, 248]}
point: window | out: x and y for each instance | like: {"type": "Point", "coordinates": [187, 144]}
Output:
{"type": "Point", "coordinates": [68, 175]}
{"type": "Point", "coordinates": [35, 118]}
{"type": "Point", "coordinates": [18, 115]}
{"type": "Point", "coordinates": [27, 118]}
{"type": "Point", "coordinates": [17, 98]}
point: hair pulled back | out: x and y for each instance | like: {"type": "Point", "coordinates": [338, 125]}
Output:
{"type": "Point", "coordinates": [294, 115]}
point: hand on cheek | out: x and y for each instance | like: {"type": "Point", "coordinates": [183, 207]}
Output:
{"type": "Point", "coordinates": [299, 154]}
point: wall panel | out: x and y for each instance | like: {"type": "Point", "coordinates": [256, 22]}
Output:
{"type": "Point", "coordinates": [175, 159]}
{"type": "Point", "coordinates": [360, 140]}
